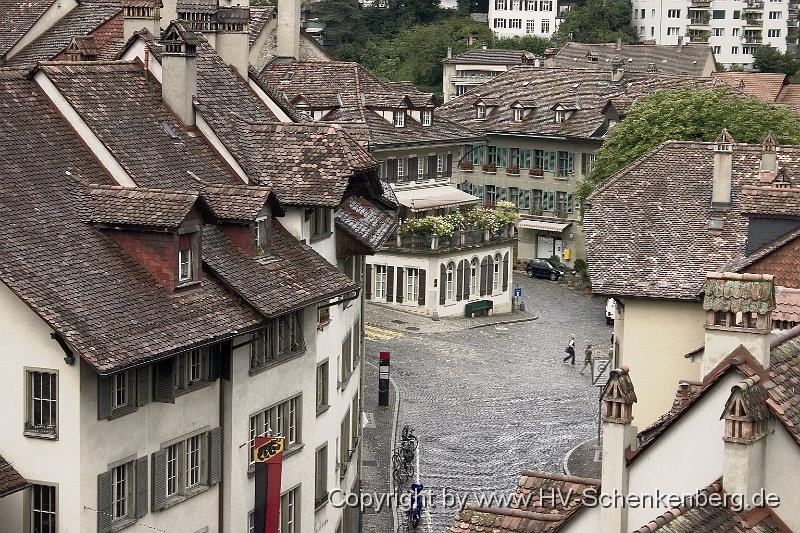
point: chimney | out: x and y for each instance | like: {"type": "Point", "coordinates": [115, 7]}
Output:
{"type": "Point", "coordinates": [449, 52]}
{"type": "Point", "coordinates": [179, 71]}
{"type": "Point", "coordinates": [680, 42]}
{"type": "Point", "coordinates": [233, 37]}
{"type": "Point", "coordinates": [618, 437]}
{"type": "Point", "coordinates": [746, 417]}
{"type": "Point", "coordinates": [738, 312]}
{"type": "Point", "coordinates": [769, 157]}
{"type": "Point", "coordinates": [288, 29]}
{"type": "Point", "coordinates": [617, 70]}
{"type": "Point", "coordinates": [619, 44]}
{"type": "Point", "coordinates": [141, 14]}
{"type": "Point", "coordinates": [549, 57]}
{"type": "Point", "coordinates": [483, 47]}
{"type": "Point", "coordinates": [723, 162]}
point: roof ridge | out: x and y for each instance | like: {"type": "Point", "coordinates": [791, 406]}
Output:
{"type": "Point", "coordinates": [518, 513]}
{"type": "Point", "coordinates": [101, 187]}
{"type": "Point", "coordinates": [675, 512]}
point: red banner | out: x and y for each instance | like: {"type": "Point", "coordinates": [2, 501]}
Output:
{"type": "Point", "coordinates": [268, 459]}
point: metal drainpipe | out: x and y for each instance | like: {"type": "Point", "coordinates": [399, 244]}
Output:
{"type": "Point", "coordinates": [221, 502]}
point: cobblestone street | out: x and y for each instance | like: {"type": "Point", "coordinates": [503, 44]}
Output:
{"type": "Point", "coordinates": [490, 401]}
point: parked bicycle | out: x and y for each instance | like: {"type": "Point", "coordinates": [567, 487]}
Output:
{"type": "Point", "coordinates": [417, 504]}
{"type": "Point", "coordinates": [402, 469]}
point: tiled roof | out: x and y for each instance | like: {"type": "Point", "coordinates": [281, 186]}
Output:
{"type": "Point", "coordinates": [780, 202]}
{"type": "Point", "coordinates": [292, 277]}
{"type": "Point", "coordinates": [787, 304]}
{"type": "Point", "coordinates": [683, 60]}
{"type": "Point", "coordinates": [366, 222]}
{"type": "Point", "coordinates": [763, 85]}
{"type": "Point", "coordinates": [491, 56]}
{"type": "Point", "coordinates": [586, 90]}
{"type": "Point", "coordinates": [114, 205]}
{"type": "Point", "coordinates": [693, 516]}
{"type": "Point", "coordinates": [10, 480]}
{"type": "Point", "coordinates": [125, 111]}
{"type": "Point", "coordinates": [784, 373]}
{"type": "Point", "coordinates": [85, 18]}
{"type": "Point", "coordinates": [196, 6]}
{"type": "Point", "coordinates": [104, 304]}
{"type": "Point", "coordinates": [357, 90]}
{"type": "Point", "coordinates": [259, 17]}
{"type": "Point", "coordinates": [529, 513]}
{"type": "Point", "coordinates": [236, 202]}
{"type": "Point", "coordinates": [304, 164]}
{"type": "Point", "coordinates": [18, 17]}
{"type": "Point", "coordinates": [790, 97]}
{"type": "Point", "coordinates": [747, 293]}
{"type": "Point", "coordinates": [647, 228]}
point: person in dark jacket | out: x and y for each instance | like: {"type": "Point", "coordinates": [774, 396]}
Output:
{"type": "Point", "coordinates": [587, 358]}
{"type": "Point", "coordinates": [570, 350]}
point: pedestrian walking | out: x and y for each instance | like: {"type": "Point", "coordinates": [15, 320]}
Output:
{"type": "Point", "coordinates": [570, 349]}
{"type": "Point", "coordinates": [587, 358]}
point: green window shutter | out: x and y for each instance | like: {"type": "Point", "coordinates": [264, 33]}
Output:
{"type": "Point", "coordinates": [214, 456]}
{"type": "Point", "coordinates": [104, 502]}
{"type": "Point", "coordinates": [142, 385]}
{"type": "Point", "coordinates": [159, 479]}
{"type": "Point", "coordinates": [164, 381]}
{"type": "Point", "coordinates": [526, 158]}
{"type": "Point", "coordinates": [141, 487]}
{"type": "Point", "coordinates": [505, 272]}
{"type": "Point", "coordinates": [104, 397]}
{"type": "Point", "coordinates": [421, 288]}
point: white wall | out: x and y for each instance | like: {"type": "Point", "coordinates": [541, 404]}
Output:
{"type": "Point", "coordinates": [27, 344]}
{"type": "Point", "coordinates": [783, 463]}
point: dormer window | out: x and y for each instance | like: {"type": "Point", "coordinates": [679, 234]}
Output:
{"type": "Point", "coordinates": [518, 114]}
{"type": "Point", "coordinates": [399, 119]}
{"type": "Point", "coordinates": [561, 116]}
{"type": "Point", "coordinates": [185, 265]}
{"type": "Point", "coordinates": [591, 57]}
{"type": "Point", "coordinates": [480, 111]}
{"type": "Point", "coordinates": [261, 243]}
{"type": "Point", "coordinates": [426, 116]}
{"type": "Point", "coordinates": [320, 223]}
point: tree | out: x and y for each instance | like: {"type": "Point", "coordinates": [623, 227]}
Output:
{"type": "Point", "coordinates": [344, 22]}
{"type": "Point", "coordinates": [531, 43]}
{"type": "Point", "coordinates": [690, 115]}
{"type": "Point", "coordinates": [597, 21]}
{"type": "Point", "coordinates": [767, 58]}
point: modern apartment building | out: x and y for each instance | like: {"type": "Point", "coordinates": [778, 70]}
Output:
{"type": "Point", "coordinates": [732, 28]}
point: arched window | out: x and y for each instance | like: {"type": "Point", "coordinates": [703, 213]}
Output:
{"type": "Point", "coordinates": [448, 288]}
{"type": "Point", "coordinates": [496, 273]}
{"type": "Point", "coordinates": [473, 277]}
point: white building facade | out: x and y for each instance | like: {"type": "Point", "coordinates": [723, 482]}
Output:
{"type": "Point", "coordinates": [511, 18]}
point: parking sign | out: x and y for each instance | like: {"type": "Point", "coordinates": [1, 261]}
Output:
{"type": "Point", "coordinates": [601, 370]}
{"type": "Point", "coordinates": [518, 292]}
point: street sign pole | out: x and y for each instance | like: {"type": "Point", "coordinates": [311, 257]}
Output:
{"type": "Point", "coordinates": [383, 379]}
{"type": "Point", "coordinates": [601, 371]}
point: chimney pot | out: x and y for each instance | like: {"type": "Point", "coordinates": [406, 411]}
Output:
{"type": "Point", "coordinates": [179, 72]}
{"type": "Point", "coordinates": [288, 29]}
{"type": "Point", "coordinates": [619, 43]}
{"type": "Point", "coordinates": [723, 162]}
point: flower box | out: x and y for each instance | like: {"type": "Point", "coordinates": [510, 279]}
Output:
{"type": "Point", "coordinates": [536, 172]}
{"type": "Point", "coordinates": [489, 167]}
{"type": "Point", "coordinates": [512, 170]}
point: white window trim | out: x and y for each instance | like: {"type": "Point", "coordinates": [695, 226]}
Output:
{"type": "Point", "coordinates": [185, 262]}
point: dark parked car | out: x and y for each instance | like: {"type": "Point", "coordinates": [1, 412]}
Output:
{"type": "Point", "coordinates": [541, 268]}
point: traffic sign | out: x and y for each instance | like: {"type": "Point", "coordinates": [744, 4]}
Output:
{"type": "Point", "coordinates": [601, 370]}
{"type": "Point", "coordinates": [518, 292]}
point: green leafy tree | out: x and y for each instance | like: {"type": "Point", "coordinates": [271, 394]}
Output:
{"type": "Point", "coordinates": [597, 21]}
{"type": "Point", "coordinates": [420, 11]}
{"type": "Point", "coordinates": [767, 58]}
{"type": "Point", "coordinates": [344, 22]}
{"type": "Point", "coordinates": [531, 43]}
{"type": "Point", "coordinates": [689, 115]}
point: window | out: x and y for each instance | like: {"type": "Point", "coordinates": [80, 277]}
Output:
{"type": "Point", "coordinates": [737, 14]}
{"type": "Point", "coordinates": [261, 244]}
{"type": "Point", "coordinates": [496, 273]}
{"type": "Point", "coordinates": [399, 119]}
{"type": "Point", "coordinates": [643, 11]}
{"type": "Point", "coordinates": [515, 23]}
{"type": "Point", "coordinates": [515, 5]}
{"type": "Point", "coordinates": [491, 154]}
{"type": "Point", "coordinates": [545, 26]}
{"type": "Point", "coordinates": [320, 222]}
{"type": "Point", "coordinates": [561, 116]}
{"type": "Point", "coordinates": [439, 165]}
{"type": "Point", "coordinates": [43, 509]}
{"type": "Point", "coordinates": [587, 161]}
{"type": "Point", "coordinates": [518, 113]}
{"type": "Point", "coordinates": [480, 110]}
{"type": "Point", "coordinates": [566, 164]}
{"type": "Point", "coordinates": [290, 511]}
{"type": "Point", "coordinates": [734, 50]}
{"type": "Point", "coordinates": [119, 492]}
{"type": "Point", "coordinates": [491, 194]}
{"type": "Point", "coordinates": [716, 50]}
{"type": "Point", "coordinates": [513, 195]}
{"type": "Point", "coordinates": [545, 159]}
{"type": "Point", "coordinates": [674, 13]}
{"type": "Point", "coordinates": [513, 157]}
{"type": "Point", "coordinates": [281, 338]}
{"type": "Point", "coordinates": [344, 444]}
{"type": "Point", "coordinates": [192, 461]}
{"type": "Point", "coordinates": [563, 202]}
{"type": "Point", "coordinates": [185, 265]}
{"type": "Point", "coordinates": [120, 391]}
{"type": "Point", "coordinates": [734, 32]}
{"type": "Point", "coordinates": [500, 5]}
{"type": "Point", "coordinates": [673, 31]}
{"type": "Point", "coordinates": [545, 5]}
{"type": "Point", "coordinates": [773, 33]}
{"type": "Point", "coordinates": [380, 281]}
{"type": "Point", "coordinates": [775, 15]}
{"type": "Point", "coordinates": [347, 359]}
{"type": "Point", "coordinates": [473, 276]}
{"type": "Point", "coordinates": [499, 23]}
{"type": "Point", "coordinates": [185, 468]}
{"type": "Point", "coordinates": [530, 26]}
{"type": "Point", "coordinates": [401, 169]}
{"type": "Point", "coordinates": [420, 166]}
{"type": "Point", "coordinates": [171, 460]}
{"type": "Point", "coordinates": [321, 476]}
{"type": "Point", "coordinates": [322, 387]}
{"type": "Point", "coordinates": [426, 116]}
{"type": "Point", "coordinates": [718, 14]}
{"type": "Point", "coordinates": [42, 416]}
{"type": "Point", "coordinates": [530, 5]}
{"type": "Point", "coordinates": [412, 285]}
{"type": "Point", "coordinates": [448, 287]}
{"type": "Point", "coordinates": [719, 32]}
{"type": "Point", "coordinates": [748, 49]}
{"type": "Point", "coordinates": [280, 420]}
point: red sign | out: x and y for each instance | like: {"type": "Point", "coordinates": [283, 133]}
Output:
{"type": "Point", "coordinates": [268, 459]}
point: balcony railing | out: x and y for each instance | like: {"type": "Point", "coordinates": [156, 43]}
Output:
{"type": "Point", "coordinates": [753, 40]}
{"type": "Point", "coordinates": [700, 4]}
{"type": "Point", "coordinates": [753, 22]}
{"type": "Point", "coordinates": [459, 239]}
{"type": "Point", "coordinates": [754, 6]}
{"type": "Point", "coordinates": [699, 21]}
